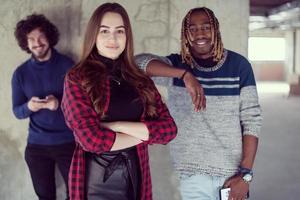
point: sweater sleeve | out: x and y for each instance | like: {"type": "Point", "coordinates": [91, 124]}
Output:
{"type": "Point", "coordinates": [19, 99]}
{"type": "Point", "coordinates": [144, 59]}
{"type": "Point", "coordinates": [81, 117]}
{"type": "Point", "coordinates": [163, 128]}
{"type": "Point", "coordinates": [250, 111]}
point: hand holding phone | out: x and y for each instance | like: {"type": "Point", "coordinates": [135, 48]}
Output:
{"type": "Point", "coordinates": [40, 100]}
{"type": "Point", "coordinates": [35, 104]}
{"type": "Point", "coordinates": [224, 193]}
{"type": "Point", "coordinates": [52, 102]}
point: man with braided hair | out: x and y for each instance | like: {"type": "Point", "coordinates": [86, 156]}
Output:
{"type": "Point", "coordinates": [216, 147]}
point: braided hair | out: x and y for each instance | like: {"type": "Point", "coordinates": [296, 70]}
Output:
{"type": "Point", "coordinates": [217, 50]}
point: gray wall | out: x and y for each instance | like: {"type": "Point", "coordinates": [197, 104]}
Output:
{"type": "Point", "coordinates": [156, 25]}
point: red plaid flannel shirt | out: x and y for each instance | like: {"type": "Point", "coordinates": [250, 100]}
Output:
{"type": "Point", "coordinates": [90, 136]}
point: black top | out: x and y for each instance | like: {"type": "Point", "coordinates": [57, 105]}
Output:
{"type": "Point", "coordinates": [208, 62]}
{"type": "Point", "coordinates": [125, 104]}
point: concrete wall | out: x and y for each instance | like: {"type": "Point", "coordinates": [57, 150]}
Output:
{"type": "Point", "coordinates": [156, 25]}
{"type": "Point", "coordinates": [269, 70]}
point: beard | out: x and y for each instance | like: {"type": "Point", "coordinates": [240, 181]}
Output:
{"type": "Point", "coordinates": [40, 55]}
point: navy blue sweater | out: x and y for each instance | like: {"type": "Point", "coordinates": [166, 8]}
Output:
{"type": "Point", "coordinates": [40, 79]}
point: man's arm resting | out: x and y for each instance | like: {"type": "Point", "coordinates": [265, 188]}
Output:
{"type": "Point", "coordinates": [159, 68]}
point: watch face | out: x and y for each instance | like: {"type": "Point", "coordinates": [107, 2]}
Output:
{"type": "Point", "coordinates": [247, 177]}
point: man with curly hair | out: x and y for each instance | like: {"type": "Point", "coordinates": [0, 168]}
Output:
{"type": "Point", "coordinates": [37, 88]}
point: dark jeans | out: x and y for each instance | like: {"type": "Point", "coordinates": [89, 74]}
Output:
{"type": "Point", "coordinates": [41, 160]}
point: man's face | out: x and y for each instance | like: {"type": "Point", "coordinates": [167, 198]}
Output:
{"type": "Point", "coordinates": [38, 45]}
{"type": "Point", "coordinates": [199, 33]}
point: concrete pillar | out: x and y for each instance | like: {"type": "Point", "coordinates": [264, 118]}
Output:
{"type": "Point", "coordinates": [289, 60]}
{"type": "Point", "coordinates": [297, 52]}
{"type": "Point", "coordinates": [293, 61]}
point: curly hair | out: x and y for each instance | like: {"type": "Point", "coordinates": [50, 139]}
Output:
{"type": "Point", "coordinates": [34, 21]}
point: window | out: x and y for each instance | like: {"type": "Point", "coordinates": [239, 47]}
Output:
{"type": "Point", "coordinates": [266, 49]}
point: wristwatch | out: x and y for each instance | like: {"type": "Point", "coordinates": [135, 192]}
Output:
{"type": "Point", "coordinates": [247, 174]}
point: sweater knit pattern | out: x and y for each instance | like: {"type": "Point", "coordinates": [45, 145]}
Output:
{"type": "Point", "coordinates": [210, 142]}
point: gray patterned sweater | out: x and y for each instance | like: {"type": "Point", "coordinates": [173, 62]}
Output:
{"type": "Point", "coordinates": [210, 141]}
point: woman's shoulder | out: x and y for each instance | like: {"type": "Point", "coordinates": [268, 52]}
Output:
{"type": "Point", "coordinates": [74, 75]}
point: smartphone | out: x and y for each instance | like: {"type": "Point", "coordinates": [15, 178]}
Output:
{"type": "Point", "coordinates": [224, 194]}
{"type": "Point", "coordinates": [40, 100]}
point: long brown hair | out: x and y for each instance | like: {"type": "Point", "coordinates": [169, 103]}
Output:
{"type": "Point", "coordinates": [217, 50]}
{"type": "Point", "coordinates": [94, 73]}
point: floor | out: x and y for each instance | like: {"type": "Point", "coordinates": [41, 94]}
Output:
{"type": "Point", "coordinates": [277, 166]}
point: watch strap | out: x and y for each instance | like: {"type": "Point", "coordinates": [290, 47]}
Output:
{"type": "Point", "coordinates": [244, 170]}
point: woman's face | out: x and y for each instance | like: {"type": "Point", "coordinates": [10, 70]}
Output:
{"type": "Point", "coordinates": [111, 38]}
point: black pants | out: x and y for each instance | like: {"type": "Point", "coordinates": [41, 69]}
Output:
{"type": "Point", "coordinates": [41, 160]}
{"type": "Point", "coordinates": [113, 175]}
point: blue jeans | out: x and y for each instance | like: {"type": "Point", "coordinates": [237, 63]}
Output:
{"type": "Point", "coordinates": [201, 187]}
{"type": "Point", "coordinates": [41, 160]}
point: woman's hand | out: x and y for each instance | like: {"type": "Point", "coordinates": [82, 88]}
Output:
{"type": "Point", "coordinates": [134, 129]}
{"type": "Point", "coordinates": [110, 125]}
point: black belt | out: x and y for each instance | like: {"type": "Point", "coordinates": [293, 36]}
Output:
{"type": "Point", "coordinates": [110, 161]}
{"type": "Point", "coordinates": [110, 167]}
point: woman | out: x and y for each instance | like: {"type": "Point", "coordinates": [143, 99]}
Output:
{"type": "Point", "coordinates": [115, 111]}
